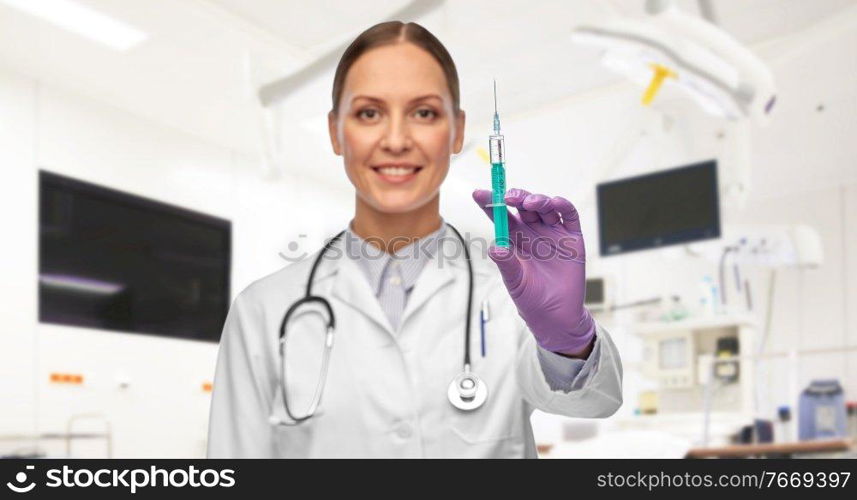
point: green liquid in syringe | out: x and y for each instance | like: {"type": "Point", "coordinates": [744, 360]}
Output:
{"type": "Point", "coordinates": [501, 215]}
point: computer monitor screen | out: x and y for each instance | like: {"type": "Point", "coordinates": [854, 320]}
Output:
{"type": "Point", "coordinates": [672, 206]}
{"type": "Point", "coordinates": [116, 261]}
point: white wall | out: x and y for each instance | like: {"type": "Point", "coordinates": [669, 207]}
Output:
{"type": "Point", "coordinates": [19, 250]}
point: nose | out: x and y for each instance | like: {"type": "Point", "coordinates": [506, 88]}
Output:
{"type": "Point", "coordinates": [397, 137]}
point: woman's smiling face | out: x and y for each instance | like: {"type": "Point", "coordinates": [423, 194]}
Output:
{"type": "Point", "coordinates": [396, 127]}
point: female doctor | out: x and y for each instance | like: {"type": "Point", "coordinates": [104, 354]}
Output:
{"type": "Point", "coordinates": [405, 377]}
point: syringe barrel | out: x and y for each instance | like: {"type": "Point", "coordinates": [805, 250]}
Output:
{"type": "Point", "coordinates": [498, 188]}
{"type": "Point", "coordinates": [498, 205]}
{"type": "Point", "coordinates": [495, 146]}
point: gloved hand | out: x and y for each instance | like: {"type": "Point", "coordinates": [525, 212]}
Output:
{"type": "Point", "coordinates": [544, 269]}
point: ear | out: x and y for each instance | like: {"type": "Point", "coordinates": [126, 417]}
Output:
{"type": "Point", "coordinates": [458, 140]}
{"type": "Point", "coordinates": [333, 131]}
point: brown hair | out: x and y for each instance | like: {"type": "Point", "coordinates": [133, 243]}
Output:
{"type": "Point", "coordinates": [394, 32]}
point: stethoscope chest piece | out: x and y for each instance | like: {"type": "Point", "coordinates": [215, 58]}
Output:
{"type": "Point", "coordinates": [467, 392]}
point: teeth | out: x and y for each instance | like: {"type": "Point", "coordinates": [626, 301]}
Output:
{"type": "Point", "coordinates": [397, 170]}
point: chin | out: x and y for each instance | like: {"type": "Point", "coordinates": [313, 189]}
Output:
{"type": "Point", "coordinates": [394, 203]}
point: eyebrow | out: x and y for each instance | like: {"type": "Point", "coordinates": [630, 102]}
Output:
{"type": "Point", "coordinates": [415, 99]}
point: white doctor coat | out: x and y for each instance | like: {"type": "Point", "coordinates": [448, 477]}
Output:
{"type": "Point", "coordinates": [386, 391]}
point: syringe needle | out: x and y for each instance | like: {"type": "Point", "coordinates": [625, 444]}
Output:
{"type": "Point", "coordinates": [496, 116]}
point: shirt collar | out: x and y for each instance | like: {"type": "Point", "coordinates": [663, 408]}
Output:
{"type": "Point", "coordinates": [375, 263]}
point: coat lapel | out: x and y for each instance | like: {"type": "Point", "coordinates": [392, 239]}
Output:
{"type": "Point", "coordinates": [352, 288]}
{"type": "Point", "coordinates": [444, 268]}
{"type": "Point", "coordinates": [438, 272]}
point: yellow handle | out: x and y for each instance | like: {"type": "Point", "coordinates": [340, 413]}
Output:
{"type": "Point", "coordinates": [661, 73]}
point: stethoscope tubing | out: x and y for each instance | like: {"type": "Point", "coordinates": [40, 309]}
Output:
{"type": "Point", "coordinates": [462, 403]}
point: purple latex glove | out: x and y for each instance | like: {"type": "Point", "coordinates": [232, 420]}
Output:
{"type": "Point", "coordinates": [544, 270]}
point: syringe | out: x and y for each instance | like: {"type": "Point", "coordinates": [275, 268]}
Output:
{"type": "Point", "coordinates": [496, 146]}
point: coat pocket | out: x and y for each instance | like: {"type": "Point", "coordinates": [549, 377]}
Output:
{"type": "Point", "coordinates": [500, 418]}
{"type": "Point", "coordinates": [474, 430]}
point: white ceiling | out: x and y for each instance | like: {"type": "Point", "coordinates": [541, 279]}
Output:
{"type": "Point", "coordinates": [291, 19]}
{"type": "Point", "coordinates": [204, 59]}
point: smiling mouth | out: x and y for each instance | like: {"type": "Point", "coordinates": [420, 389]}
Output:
{"type": "Point", "coordinates": [397, 173]}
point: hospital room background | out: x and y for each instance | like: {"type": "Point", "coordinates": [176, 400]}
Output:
{"type": "Point", "coordinates": [215, 111]}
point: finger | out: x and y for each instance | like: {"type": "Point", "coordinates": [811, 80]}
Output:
{"type": "Point", "coordinates": [542, 205]}
{"type": "Point", "coordinates": [570, 217]}
{"type": "Point", "coordinates": [515, 198]}
{"type": "Point", "coordinates": [482, 197]}
{"type": "Point", "coordinates": [510, 267]}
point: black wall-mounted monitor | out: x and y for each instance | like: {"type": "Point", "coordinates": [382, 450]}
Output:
{"type": "Point", "coordinates": [669, 207]}
{"type": "Point", "coordinates": [115, 261]}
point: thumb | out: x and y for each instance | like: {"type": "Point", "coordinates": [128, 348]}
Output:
{"type": "Point", "coordinates": [509, 265]}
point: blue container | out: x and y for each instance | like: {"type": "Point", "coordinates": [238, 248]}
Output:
{"type": "Point", "coordinates": [821, 411]}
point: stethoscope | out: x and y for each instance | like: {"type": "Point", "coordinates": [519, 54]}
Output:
{"type": "Point", "coordinates": [466, 392]}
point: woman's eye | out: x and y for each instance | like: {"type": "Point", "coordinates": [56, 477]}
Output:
{"type": "Point", "coordinates": [425, 113]}
{"type": "Point", "coordinates": [368, 114]}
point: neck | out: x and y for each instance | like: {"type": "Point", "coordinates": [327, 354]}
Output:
{"type": "Point", "coordinates": [394, 231]}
